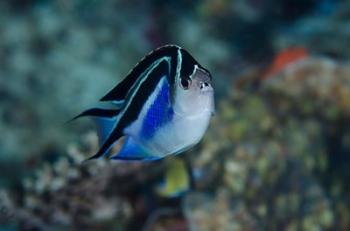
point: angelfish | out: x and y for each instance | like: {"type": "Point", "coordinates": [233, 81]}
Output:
{"type": "Point", "coordinates": [162, 107]}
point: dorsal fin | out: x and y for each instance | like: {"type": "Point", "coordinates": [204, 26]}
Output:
{"type": "Point", "coordinates": [119, 92]}
{"type": "Point", "coordinates": [98, 112]}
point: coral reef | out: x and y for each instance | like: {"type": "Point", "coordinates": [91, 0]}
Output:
{"type": "Point", "coordinates": [275, 156]}
{"type": "Point", "coordinates": [264, 165]}
{"type": "Point", "coordinates": [70, 193]}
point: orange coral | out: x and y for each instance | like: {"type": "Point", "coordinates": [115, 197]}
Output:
{"type": "Point", "coordinates": [284, 58]}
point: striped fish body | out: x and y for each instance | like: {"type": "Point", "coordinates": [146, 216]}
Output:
{"type": "Point", "coordinates": [163, 107]}
{"type": "Point", "coordinates": [161, 132]}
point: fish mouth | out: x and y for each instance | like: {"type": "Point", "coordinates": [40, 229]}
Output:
{"type": "Point", "coordinates": [206, 89]}
{"type": "Point", "coordinates": [207, 92]}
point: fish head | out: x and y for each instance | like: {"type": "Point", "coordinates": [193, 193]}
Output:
{"type": "Point", "coordinates": [194, 94]}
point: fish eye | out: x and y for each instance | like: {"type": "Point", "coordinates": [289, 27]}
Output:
{"type": "Point", "coordinates": [185, 83]}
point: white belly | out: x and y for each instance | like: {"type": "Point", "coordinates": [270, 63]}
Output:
{"type": "Point", "coordinates": [181, 134]}
{"type": "Point", "coordinates": [175, 137]}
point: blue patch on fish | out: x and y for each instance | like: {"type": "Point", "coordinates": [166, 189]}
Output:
{"type": "Point", "coordinates": [162, 107]}
{"type": "Point", "coordinates": [159, 113]}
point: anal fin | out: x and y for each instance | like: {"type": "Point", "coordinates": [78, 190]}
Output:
{"type": "Point", "coordinates": [131, 150]}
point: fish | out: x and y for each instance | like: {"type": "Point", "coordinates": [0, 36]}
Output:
{"type": "Point", "coordinates": [162, 107]}
{"type": "Point", "coordinates": [176, 180]}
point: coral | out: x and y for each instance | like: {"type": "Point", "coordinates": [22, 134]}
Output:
{"type": "Point", "coordinates": [263, 165]}
{"type": "Point", "coordinates": [79, 195]}
{"type": "Point", "coordinates": [275, 156]}
{"type": "Point", "coordinates": [205, 213]}
{"type": "Point", "coordinates": [265, 146]}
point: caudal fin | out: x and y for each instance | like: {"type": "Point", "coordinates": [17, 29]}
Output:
{"type": "Point", "coordinates": [108, 132]}
{"type": "Point", "coordinates": [108, 136]}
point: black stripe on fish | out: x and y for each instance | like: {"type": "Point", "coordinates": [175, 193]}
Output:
{"type": "Point", "coordinates": [188, 65]}
{"type": "Point", "coordinates": [98, 112]}
{"type": "Point", "coordinates": [135, 103]}
{"type": "Point", "coordinates": [119, 92]}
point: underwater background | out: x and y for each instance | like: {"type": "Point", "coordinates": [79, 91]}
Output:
{"type": "Point", "coordinates": [275, 157]}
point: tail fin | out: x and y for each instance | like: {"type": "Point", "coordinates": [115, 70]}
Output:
{"type": "Point", "coordinates": [104, 127]}
{"type": "Point", "coordinates": [108, 133]}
